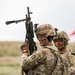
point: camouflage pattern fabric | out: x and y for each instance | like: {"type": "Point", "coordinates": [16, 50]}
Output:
{"type": "Point", "coordinates": [71, 70]}
{"type": "Point", "coordinates": [63, 35]}
{"type": "Point", "coordinates": [46, 29]}
{"type": "Point", "coordinates": [69, 62]}
{"type": "Point", "coordinates": [44, 62]}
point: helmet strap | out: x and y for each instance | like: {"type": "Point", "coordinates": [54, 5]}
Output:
{"type": "Point", "coordinates": [50, 38]}
{"type": "Point", "coordinates": [65, 42]}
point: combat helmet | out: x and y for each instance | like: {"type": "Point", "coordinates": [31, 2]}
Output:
{"type": "Point", "coordinates": [46, 29]}
{"type": "Point", "coordinates": [63, 35]}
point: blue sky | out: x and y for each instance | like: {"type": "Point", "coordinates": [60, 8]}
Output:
{"type": "Point", "coordinates": [59, 13]}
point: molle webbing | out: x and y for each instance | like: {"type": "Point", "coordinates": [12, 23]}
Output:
{"type": "Point", "coordinates": [56, 56]}
{"type": "Point", "coordinates": [55, 60]}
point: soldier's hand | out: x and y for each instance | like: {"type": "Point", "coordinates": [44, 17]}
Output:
{"type": "Point", "coordinates": [25, 47]}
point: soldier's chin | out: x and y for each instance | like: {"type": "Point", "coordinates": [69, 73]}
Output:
{"type": "Point", "coordinates": [60, 48]}
{"type": "Point", "coordinates": [42, 44]}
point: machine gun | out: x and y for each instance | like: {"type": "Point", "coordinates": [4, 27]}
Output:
{"type": "Point", "coordinates": [29, 32]}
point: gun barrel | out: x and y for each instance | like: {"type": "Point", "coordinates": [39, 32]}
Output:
{"type": "Point", "coordinates": [9, 22]}
{"type": "Point", "coordinates": [14, 21]}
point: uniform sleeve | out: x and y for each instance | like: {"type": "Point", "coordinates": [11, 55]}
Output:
{"type": "Point", "coordinates": [71, 70]}
{"type": "Point", "coordinates": [33, 60]}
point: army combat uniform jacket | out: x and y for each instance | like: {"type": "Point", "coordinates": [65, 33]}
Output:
{"type": "Point", "coordinates": [69, 62]}
{"type": "Point", "coordinates": [44, 62]}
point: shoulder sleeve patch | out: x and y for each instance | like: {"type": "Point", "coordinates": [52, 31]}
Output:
{"type": "Point", "coordinates": [33, 56]}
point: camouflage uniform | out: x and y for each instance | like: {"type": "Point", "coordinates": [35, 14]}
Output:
{"type": "Point", "coordinates": [68, 58]}
{"type": "Point", "coordinates": [45, 61]}
{"type": "Point", "coordinates": [69, 61]}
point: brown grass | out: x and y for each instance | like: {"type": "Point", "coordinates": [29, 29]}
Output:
{"type": "Point", "coordinates": [71, 46]}
{"type": "Point", "coordinates": [10, 48]}
{"type": "Point", "coordinates": [13, 48]}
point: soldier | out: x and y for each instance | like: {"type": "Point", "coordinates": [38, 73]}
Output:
{"type": "Point", "coordinates": [45, 61]}
{"type": "Point", "coordinates": [61, 42]}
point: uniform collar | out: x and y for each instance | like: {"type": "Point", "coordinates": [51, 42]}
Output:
{"type": "Point", "coordinates": [66, 51]}
{"type": "Point", "coordinates": [49, 46]}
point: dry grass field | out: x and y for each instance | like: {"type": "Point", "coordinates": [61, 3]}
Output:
{"type": "Point", "coordinates": [10, 57]}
